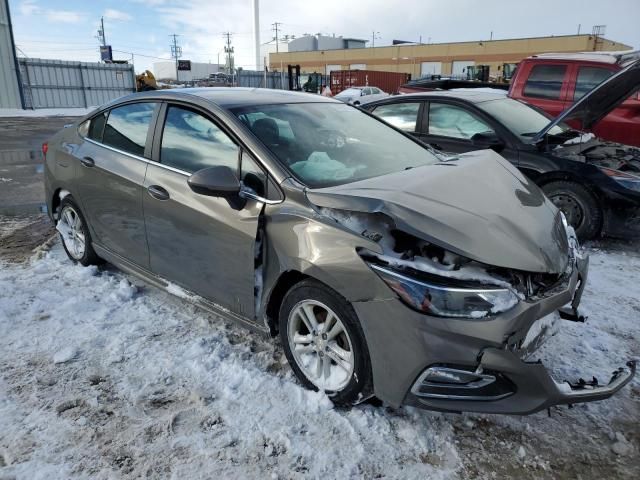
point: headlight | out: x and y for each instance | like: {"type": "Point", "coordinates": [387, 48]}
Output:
{"type": "Point", "coordinates": [447, 301]}
{"type": "Point", "coordinates": [627, 180]}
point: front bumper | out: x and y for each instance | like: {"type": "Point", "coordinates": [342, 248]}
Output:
{"type": "Point", "coordinates": [405, 346]}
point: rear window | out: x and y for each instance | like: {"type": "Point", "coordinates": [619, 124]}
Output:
{"type": "Point", "coordinates": [127, 127]}
{"type": "Point", "coordinates": [589, 78]}
{"type": "Point", "coordinates": [401, 115]}
{"type": "Point", "coordinates": [545, 81]}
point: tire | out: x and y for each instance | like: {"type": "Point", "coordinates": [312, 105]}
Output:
{"type": "Point", "coordinates": [345, 386]}
{"type": "Point", "coordinates": [579, 205]}
{"type": "Point", "coordinates": [71, 232]}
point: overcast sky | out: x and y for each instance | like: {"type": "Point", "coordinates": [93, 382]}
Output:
{"type": "Point", "coordinates": [66, 29]}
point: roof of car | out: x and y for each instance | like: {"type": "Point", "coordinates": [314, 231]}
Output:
{"type": "Point", "coordinates": [621, 58]}
{"type": "Point", "coordinates": [235, 97]}
{"type": "Point", "coordinates": [469, 95]}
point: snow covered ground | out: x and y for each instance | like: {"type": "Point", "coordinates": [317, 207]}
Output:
{"type": "Point", "coordinates": [103, 377]}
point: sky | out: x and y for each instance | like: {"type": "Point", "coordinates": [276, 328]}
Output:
{"type": "Point", "coordinates": [66, 29]}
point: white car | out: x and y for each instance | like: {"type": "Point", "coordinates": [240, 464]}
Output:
{"type": "Point", "coordinates": [360, 95]}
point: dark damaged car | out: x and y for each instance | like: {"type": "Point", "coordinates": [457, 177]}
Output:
{"type": "Point", "coordinates": [594, 182]}
{"type": "Point", "coordinates": [384, 270]}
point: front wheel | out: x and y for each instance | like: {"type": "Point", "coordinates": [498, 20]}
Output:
{"type": "Point", "coordinates": [324, 343]}
{"type": "Point", "coordinates": [579, 206]}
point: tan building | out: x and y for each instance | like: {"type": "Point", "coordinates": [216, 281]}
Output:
{"type": "Point", "coordinates": [439, 58]}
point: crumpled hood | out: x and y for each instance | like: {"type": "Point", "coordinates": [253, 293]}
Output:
{"type": "Point", "coordinates": [478, 206]}
{"type": "Point", "coordinates": [600, 101]}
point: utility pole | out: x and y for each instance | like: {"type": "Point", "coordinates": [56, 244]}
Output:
{"type": "Point", "coordinates": [101, 37]}
{"type": "Point", "coordinates": [176, 51]}
{"type": "Point", "coordinates": [228, 49]}
{"type": "Point", "coordinates": [275, 26]}
{"type": "Point", "coordinates": [374, 35]}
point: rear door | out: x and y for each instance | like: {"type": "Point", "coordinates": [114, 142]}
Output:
{"type": "Point", "coordinates": [113, 161]}
{"type": "Point", "coordinates": [450, 127]}
{"type": "Point", "coordinates": [406, 116]}
{"type": "Point", "coordinates": [202, 243]}
{"type": "Point", "coordinates": [546, 86]}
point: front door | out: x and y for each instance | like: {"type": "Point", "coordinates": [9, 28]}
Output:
{"type": "Point", "coordinates": [111, 177]}
{"type": "Point", "coordinates": [199, 242]}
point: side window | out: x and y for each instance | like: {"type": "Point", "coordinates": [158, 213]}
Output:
{"type": "Point", "coordinates": [191, 142]}
{"type": "Point", "coordinates": [366, 91]}
{"type": "Point", "coordinates": [589, 78]}
{"type": "Point", "coordinates": [96, 127]}
{"type": "Point", "coordinates": [545, 81]}
{"type": "Point", "coordinates": [127, 127]}
{"type": "Point", "coordinates": [455, 122]}
{"type": "Point", "coordinates": [401, 115]}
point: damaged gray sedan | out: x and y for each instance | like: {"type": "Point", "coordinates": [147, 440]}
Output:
{"type": "Point", "coordinates": [385, 269]}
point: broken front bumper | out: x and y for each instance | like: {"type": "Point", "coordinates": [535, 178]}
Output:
{"type": "Point", "coordinates": [458, 365]}
{"type": "Point", "coordinates": [519, 388]}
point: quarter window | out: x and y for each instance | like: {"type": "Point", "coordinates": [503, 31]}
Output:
{"type": "Point", "coordinates": [191, 142]}
{"type": "Point", "coordinates": [127, 127]}
{"type": "Point", "coordinates": [545, 81]}
{"type": "Point", "coordinates": [455, 122]}
{"type": "Point", "coordinates": [401, 115]}
{"type": "Point", "coordinates": [96, 127]}
{"type": "Point", "coordinates": [589, 78]}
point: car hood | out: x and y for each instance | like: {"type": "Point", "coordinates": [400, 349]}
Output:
{"type": "Point", "coordinates": [478, 206]}
{"type": "Point", "coordinates": [600, 101]}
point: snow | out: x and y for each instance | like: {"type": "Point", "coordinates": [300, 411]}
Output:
{"type": "Point", "coordinates": [498, 91]}
{"type": "Point", "coordinates": [46, 112]}
{"type": "Point", "coordinates": [158, 388]}
{"type": "Point", "coordinates": [582, 138]}
{"type": "Point", "coordinates": [547, 325]}
{"type": "Point", "coordinates": [65, 355]}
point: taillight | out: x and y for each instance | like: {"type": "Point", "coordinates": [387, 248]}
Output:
{"type": "Point", "coordinates": [45, 149]}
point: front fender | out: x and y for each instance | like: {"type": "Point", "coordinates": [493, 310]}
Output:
{"type": "Point", "coordinates": [319, 247]}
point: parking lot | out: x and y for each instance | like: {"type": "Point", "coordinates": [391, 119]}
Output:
{"type": "Point", "coordinates": [103, 376]}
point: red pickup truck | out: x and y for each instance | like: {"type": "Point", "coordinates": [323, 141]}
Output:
{"type": "Point", "coordinates": [554, 81]}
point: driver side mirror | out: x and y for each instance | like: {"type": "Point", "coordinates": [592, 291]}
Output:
{"type": "Point", "coordinates": [218, 181]}
{"type": "Point", "coordinates": [487, 140]}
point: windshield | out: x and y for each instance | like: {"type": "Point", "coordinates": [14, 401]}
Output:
{"type": "Point", "coordinates": [327, 144]}
{"type": "Point", "coordinates": [350, 92]}
{"type": "Point", "coordinates": [521, 119]}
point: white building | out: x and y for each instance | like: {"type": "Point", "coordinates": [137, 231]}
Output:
{"type": "Point", "coordinates": [270, 47]}
{"type": "Point", "coordinates": [167, 71]}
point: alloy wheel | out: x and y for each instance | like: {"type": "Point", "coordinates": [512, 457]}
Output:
{"type": "Point", "coordinates": [320, 345]}
{"type": "Point", "coordinates": [72, 233]}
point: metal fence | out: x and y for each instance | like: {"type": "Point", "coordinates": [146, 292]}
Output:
{"type": "Point", "coordinates": [256, 79]}
{"type": "Point", "coordinates": [62, 84]}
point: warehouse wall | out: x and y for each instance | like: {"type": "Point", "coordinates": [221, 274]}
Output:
{"type": "Point", "coordinates": [408, 58]}
{"type": "Point", "coordinates": [64, 84]}
{"type": "Point", "coordinates": [9, 90]}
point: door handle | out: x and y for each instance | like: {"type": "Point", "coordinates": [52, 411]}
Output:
{"type": "Point", "coordinates": [157, 192]}
{"type": "Point", "coordinates": [436, 146]}
{"type": "Point", "coordinates": [87, 162]}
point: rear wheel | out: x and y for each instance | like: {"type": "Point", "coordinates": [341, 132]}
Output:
{"type": "Point", "coordinates": [324, 343]}
{"type": "Point", "coordinates": [74, 234]}
{"type": "Point", "coordinates": [579, 206]}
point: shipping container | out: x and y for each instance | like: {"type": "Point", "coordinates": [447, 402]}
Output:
{"type": "Point", "coordinates": [387, 81]}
